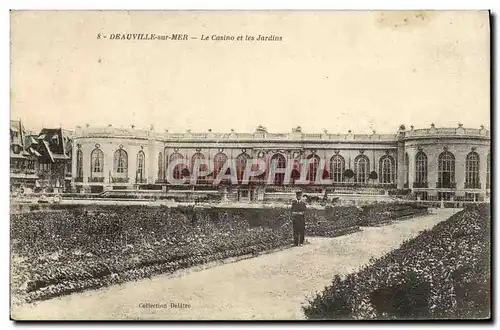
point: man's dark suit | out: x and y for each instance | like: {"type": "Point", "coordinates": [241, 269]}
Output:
{"type": "Point", "coordinates": [299, 223]}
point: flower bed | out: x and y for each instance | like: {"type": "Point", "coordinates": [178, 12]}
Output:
{"type": "Point", "coordinates": [442, 273]}
{"type": "Point", "coordinates": [63, 251]}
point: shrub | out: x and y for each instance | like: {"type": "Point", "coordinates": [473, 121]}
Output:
{"type": "Point", "coordinates": [442, 273]}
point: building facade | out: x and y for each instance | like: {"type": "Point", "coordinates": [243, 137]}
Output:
{"type": "Point", "coordinates": [40, 162]}
{"type": "Point", "coordinates": [23, 158]}
{"type": "Point", "coordinates": [431, 163]}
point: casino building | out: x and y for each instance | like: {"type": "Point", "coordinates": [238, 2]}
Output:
{"type": "Point", "coordinates": [429, 163]}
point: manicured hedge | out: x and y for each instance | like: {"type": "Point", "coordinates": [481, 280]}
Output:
{"type": "Point", "coordinates": [383, 213]}
{"type": "Point", "coordinates": [335, 221]}
{"type": "Point", "coordinates": [442, 273]}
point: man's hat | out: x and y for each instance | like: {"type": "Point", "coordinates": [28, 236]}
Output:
{"type": "Point", "coordinates": [298, 192]}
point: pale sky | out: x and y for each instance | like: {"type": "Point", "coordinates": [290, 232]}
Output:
{"type": "Point", "coordinates": [332, 70]}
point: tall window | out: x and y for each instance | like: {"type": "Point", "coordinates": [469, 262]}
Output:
{"type": "Point", "coordinates": [120, 161]}
{"type": "Point", "coordinates": [386, 169]}
{"type": "Point", "coordinates": [313, 168]}
{"type": "Point", "coordinates": [97, 162]}
{"type": "Point", "coordinates": [241, 163]}
{"type": "Point", "coordinates": [160, 166]}
{"type": "Point", "coordinates": [219, 160]}
{"type": "Point", "coordinates": [140, 166]}
{"type": "Point", "coordinates": [196, 160]}
{"type": "Point", "coordinates": [79, 164]}
{"type": "Point", "coordinates": [361, 168]}
{"type": "Point", "coordinates": [258, 165]}
{"type": "Point", "coordinates": [337, 168]}
{"type": "Point", "coordinates": [198, 157]}
{"type": "Point", "coordinates": [421, 168]}
{"type": "Point", "coordinates": [177, 170]}
{"type": "Point", "coordinates": [488, 177]}
{"type": "Point", "coordinates": [446, 170]}
{"type": "Point", "coordinates": [472, 170]}
{"type": "Point", "coordinates": [278, 161]}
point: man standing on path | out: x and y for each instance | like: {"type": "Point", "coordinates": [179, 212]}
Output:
{"type": "Point", "coordinates": [298, 219]}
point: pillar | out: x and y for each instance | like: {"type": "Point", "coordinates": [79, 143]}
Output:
{"type": "Point", "coordinates": [400, 165]}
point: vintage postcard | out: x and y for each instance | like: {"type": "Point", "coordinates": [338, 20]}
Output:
{"type": "Point", "coordinates": [250, 165]}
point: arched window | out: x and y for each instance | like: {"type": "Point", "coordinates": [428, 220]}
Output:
{"type": "Point", "coordinates": [177, 170]}
{"type": "Point", "coordinates": [79, 164]}
{"type": "Point", "coordinates": [141, 176]}
{"type": "Point", "coordinates": [120, 162]}
{"type": "Point", "coordinates": [337, 168]}
{"type": "Point", "coordinates": [313, 168]}
{"type": "Point", "coordinates": [97, 162]}
{"type": "Point", "coordinates": [421, 167]}
{"type": "Point", "coordinates": [407, 170]}
{"type": "Point", "coordinates": [160, 166]}
{"type": "Point", "coordinates": [197, 160]}
{"type": "Point", "coordinates": [446, 170]}
{"type": "Point", "coordinates": [259, 164]}
{"type": "Point", "coordinates": [241, 163]}
{"type": "Point", "coordinates": [386, 169]}
{"type": "Point", "coordinates": [472, 170]}
{"type": "Point", "coordinates": [488, 177]}
{"type": "Point", "coordinates": [198, 157]}
{"type": "Point", "coordinates": [278, 161]}
{"type": "Point", "coordinates": [219, 160]}
{"type": "Point", "coordinates": [361, 168]}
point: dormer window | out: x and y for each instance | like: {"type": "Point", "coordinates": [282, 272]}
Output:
{"type": "Point", "coordinates": [55, 139]}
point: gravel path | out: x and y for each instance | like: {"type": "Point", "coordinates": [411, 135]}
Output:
{"type": "Point", "coordinates": [271, 286]}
